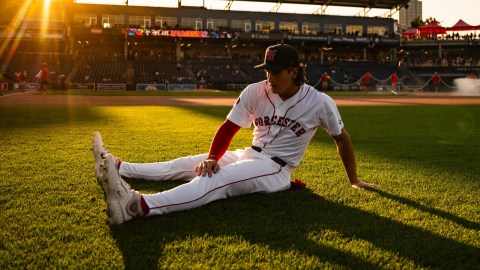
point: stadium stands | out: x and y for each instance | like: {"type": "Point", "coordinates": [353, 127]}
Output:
{"type": "Point", "coordinates": [215, 49]}
{"type": "Point", "coordinates": [162, 72]}
{"type": "Point", "coordinates": [101, 72]}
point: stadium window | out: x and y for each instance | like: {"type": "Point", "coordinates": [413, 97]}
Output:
{"type": "Point", "coordinates": [165, 22]}
{"type": "Point", "coordinates": [216, 24]}
{"type": "Point", "coordinates": [198, 24]}
{"type": "Point", "coordinates": [264, 26]}
{"type": "Point", "coordinates": [85, 20]}
{"type": "Point", "coordinates": [310, 28]}
{"type": "Point", "coordinates": [242, 25]}
{"type": "Point", "coordinates": [209, 24]}
{"type": "Point", "coordinates": [258, 26]}
{"type": "Point", "coordinates": [333, 29]}
{"type": "Point", "coordinates": [105, 22]}
{"type": "Point", "coordinates": [141, 21]}
{"type": "Point", "coordinates": [191, 23]}
{"type": "Point", "coordinates": [290, 27]}
{"type": "Point", "coordinates": [248, 26]}
{"type": "Point", "coordinates": [355, 30]}
{"type": "Point", "coordinates": [339, 29]}
{"type": "Point", "coordinates": [112, 20]}
{"type": "Point", "coordinates": [376, 30]}
{"type": "Point", "coordinates": [330, 29]}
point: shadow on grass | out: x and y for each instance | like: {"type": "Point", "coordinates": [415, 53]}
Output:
{"type": "Point", "coordinates": [31, 116]}
{"type": "Point", "coordinates": [439, 213]}
{"type": "Point", "coordinates": [283, 222]}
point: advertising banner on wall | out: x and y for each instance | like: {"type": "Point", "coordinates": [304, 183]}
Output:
{"type": "Point", "coordinates": [344, 39]}
{"type": "Point", "coordinates": [112, 86]}
{"type": "Point", "coordinates": [175, 86]}
{"type": "Point", "coordinates": [179, 33]}
{"type": "Point", "coordinates": [151, 87]}
{"type": "Point", "coordinates": [28, 86]}
{"type": "Point", "coordinates": [86, 86]}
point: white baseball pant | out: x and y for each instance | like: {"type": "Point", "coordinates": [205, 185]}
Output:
{"type": "Point", "coordinates": [241, 172]}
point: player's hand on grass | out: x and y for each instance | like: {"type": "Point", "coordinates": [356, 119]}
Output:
{"type": "Point", "coordinates": [207, 167]}
{"type": "Point", "coordinates": [360, 184]}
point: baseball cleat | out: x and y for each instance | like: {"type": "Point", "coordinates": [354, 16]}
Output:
{"type": "Point", "coordinates": [123, 203]}
{"type": "Point", "coordinates": [99, 152]}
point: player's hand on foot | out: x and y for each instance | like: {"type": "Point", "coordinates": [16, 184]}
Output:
{"type": "Point", "coordinates": [207, 167]}
{"type": "Point", "coordinates": [360, 184]}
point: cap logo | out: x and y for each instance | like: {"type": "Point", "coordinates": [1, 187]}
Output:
{"type": "Point", "coordinates": [270, 55]}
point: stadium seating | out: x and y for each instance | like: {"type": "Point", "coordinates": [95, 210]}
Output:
{"type": "Point", "coordinates": [161, 72]}
{"type": "Point", "coordinates": [101, 72]}
{"type": "Point", "coordinates": [218, 72]}
{"type": "Point", "coordinates": [252, 74]}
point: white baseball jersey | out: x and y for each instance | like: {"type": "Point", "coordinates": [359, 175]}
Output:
{"type": "Point", "coordinates": [283, 128]}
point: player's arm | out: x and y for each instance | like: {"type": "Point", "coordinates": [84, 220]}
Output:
{"type": "Point", "coordinates": [218, 147]}
{"type": "Point", "coordinates": [347, 155]}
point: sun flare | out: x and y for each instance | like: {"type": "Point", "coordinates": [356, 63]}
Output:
{"type": "Point", "coordinates": [45, 16]}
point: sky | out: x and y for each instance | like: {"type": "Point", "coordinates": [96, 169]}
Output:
{"type": "Point", "coordinates": [447, 12]}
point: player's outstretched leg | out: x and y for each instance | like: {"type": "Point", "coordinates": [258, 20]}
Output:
{"type": "Point", "coordinates": [123, 203]}
{"type": "Point", "coordinates": [99, 152]}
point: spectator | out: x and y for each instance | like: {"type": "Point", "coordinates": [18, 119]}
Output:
{"type": "Point", "coordinates": [325, 78]}
{"type": "Point", "coordinates": [23, 80]}
{"type": "Point", "coordinates": [366, 81]}
{"type": "Point", "coordinates": [394, 80]}
{"type": "Point", "coordinates": [436, 81]}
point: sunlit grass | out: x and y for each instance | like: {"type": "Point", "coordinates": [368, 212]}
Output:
{"type": "Point", "coordinates": [425, 214]}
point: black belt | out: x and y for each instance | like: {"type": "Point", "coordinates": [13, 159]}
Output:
{"type": "Point", "coordinates": [278, 160]}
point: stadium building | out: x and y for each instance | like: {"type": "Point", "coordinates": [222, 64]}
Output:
{"type": "Point", "coordinates": [409, 12]}
{"type": "Point", "coordinates": [116, 47]}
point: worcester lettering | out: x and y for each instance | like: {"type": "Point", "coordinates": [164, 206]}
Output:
{"type": "Point", "coordinates": [293, 125]}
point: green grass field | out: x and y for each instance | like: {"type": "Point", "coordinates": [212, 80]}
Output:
{"type": "Point", "coordinates": [426, 214]}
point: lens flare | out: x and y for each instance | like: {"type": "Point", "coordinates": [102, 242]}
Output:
{"type": "Point", "coordinates": [45, 18]}
{"type": "Point", "coordinates": [15, 32]}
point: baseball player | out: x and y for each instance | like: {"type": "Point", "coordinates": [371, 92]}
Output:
{"type": "Point", "coordinates": [42, 76]}
{"type": "Point", "coordinates": [285, 113]}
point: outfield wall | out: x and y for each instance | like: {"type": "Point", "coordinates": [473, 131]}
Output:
{"type": "Point", "coordinates": [165, 87]}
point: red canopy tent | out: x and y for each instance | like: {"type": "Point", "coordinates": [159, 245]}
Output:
{"type": "Point", "coordinates": [410, 32]}
{"type": "Point", "coordinates": [432, 28]}
{"type": "Point", "coordinates": [461, 26]}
